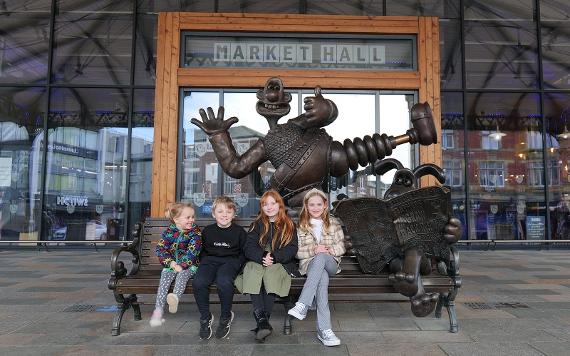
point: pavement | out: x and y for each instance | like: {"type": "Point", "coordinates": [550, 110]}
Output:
{"type": "Point", "coordinates": [511, 303]}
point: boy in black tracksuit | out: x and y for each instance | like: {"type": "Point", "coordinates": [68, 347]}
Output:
{"type": "Point", "coordinates": [220, 261]}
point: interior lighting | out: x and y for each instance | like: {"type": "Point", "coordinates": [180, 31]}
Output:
{"type": "Point", "coordinates": [497, 135]}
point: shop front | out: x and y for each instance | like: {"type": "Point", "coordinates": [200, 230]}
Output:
{"type": "Point", "coordinates": [374, 69]}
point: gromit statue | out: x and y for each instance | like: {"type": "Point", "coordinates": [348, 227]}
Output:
{"type": "Point", "coordinates": [405, 232]}
{"type": "Point", "coordinates": [301, 151]}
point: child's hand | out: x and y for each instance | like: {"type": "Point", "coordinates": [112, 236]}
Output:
{"type": "Point", "coordinates": [175, 266]}
{"type": "Point", "coordinates": [267, 260]}
{"type": "Point", "coordinates": [321, 249]}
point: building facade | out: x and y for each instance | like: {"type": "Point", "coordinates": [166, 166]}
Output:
{"type": "Point", "coordinates": [77, 115]}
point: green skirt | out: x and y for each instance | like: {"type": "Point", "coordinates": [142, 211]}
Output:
{"type": "Point", "coordinates": [275, 279]}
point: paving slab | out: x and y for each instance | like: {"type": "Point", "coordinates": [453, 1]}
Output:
{"type": "Point", "coordinates": [41, 313]}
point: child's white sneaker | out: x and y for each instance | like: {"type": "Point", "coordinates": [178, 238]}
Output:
{"type": "Point", "coordinates": [299, 311]}
{"type": "Point", "coordinates": [172, 300]}
{"type": "Point", "coordinates": [328, 338]}
{"type": "Point", "coordinates": [156, 318]}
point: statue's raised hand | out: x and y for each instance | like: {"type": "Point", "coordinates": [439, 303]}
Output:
{"type": "Point", "coordinates": [211, 124]}
{"type": "Point", "coordinates": [319, 112]}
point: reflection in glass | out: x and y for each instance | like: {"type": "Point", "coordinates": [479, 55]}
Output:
{"type": "Point", "coordinates": [555, 34]}
{"type": "Point", "coordinates": [85, 187]}
{"type": "Point", "coordinates": [506, 191]}
{"type": "Point", "coordinates": [501, 55]}
{"type": "Point", "coordinates": [145, 49]}
{"type": "Point", "coordinates": [453, 156]}
{"type": "Point", "coordinates": [442, 9]}
{"type": "Point", "coordinates": [451, 65]}
{"type": "Point", "coordinates": [342, 7]}
{"type": "Point", "coordinates": [24, 41]}
{"type": "Point", "coordinates": [142, 139]}
{"type": "Point", "coordinates": [199, 167]}
{"type": "Point", "coordinates": [202, 178]}
{"type": "Point", "coordinates": [93, 43]}
{"type": "Point", "coordinates": [22, 113]}
{"type": "Point", "coordinates": [557, 116]}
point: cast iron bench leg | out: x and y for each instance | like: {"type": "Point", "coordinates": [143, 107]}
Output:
{"type": "Point", "coordinates": [450, 305]}
{"type": "Point", "coordinates": [439, 306]}
{"type": "Point", "coordinates": [124, 304]}
{"type": "Point", "coordinates": [136, 307]}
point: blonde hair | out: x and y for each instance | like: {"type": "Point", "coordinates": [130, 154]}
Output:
{"type": "Point", "coordinates": [227, 201]}
{"type": "Point", "coordinates": [174, 210]}
{"type": "Point", "coordinates": [284, 226]}
{"type": "Point", "coordinates": [305, 217]}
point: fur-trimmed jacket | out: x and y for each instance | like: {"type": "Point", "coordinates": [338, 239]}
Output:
{"type": "Point", "coordinates": [333, 238]}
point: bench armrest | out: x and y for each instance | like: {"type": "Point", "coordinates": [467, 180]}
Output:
{"type": "Point", "coordinates": [118, 269]}
{"type": "Point", "coordinates": [453, 261]}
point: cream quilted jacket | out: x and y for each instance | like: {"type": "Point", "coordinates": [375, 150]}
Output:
{"type": "Point", "coordinates": [333, 238]}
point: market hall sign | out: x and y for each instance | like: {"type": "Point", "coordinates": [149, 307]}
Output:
{"type": "Point", "coordinates": [298, 53]}
{"type": "Point", "coordinates": [377, 53]}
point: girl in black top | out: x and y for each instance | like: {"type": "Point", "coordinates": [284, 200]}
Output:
{"type": "Point", "coordinates": [270, 249]}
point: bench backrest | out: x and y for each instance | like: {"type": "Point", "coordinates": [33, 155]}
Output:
{"type": "Point", "coordinates": [150, 235]}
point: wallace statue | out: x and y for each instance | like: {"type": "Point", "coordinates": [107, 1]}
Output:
{"type": "Point", "coordinates": [302, 152]}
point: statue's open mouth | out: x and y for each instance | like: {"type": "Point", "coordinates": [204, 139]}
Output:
{"type": "Point", "coordinates": [272, 109]}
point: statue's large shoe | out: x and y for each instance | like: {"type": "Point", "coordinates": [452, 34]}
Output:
{"type": "Point", "coordinates": [406, 281]}
{"type": "Point", "coordinates": [424, 304]}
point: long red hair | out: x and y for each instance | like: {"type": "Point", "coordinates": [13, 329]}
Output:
{"type": "Point", "coordinates": [284, 227]}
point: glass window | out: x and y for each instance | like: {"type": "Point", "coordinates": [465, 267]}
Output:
{"type": "Point", "coordinates": [500, 45]}
{"type": "Point", "coordinates": [24, 41]}
{"type": "Point", "coordinates": [489, 142]}
{"type": "Point", "coordinates": [93, 42]}
{"type": "Point", "coordinates": [198, 185]}
{"type": "Point", "coordinates": [21, 161]}
{"type": "Point", "coordinates": [555, 35]}
{"type": "Point", "coordinates": [85, 192]}
{"type": "Point", "coordinates": [154, 7]}
{"type": "Point", "coordinates": [142, 140]}
{"type": "Point", "coordinates": [442, 9]}
{"type": "Point", "coordinates": [450, 52]}
{"type": "Point", "coordinates": [203, 180]}
{"type": "Point", "coordinates": [453, 156]}
{"type": "Point", "coordinates": [453, 172]}
{"type": "Point", "coordinates": [145, 48]}
{"type": "Point", "coordinates": [491, 174]}
{"type": "Point", "coordinates": [557, 117]}
{"type": "Point", "coordinates": [342, 7]}
{"type": "Point", "coordinates": [507, 199]}
{"type": "Point", "coordinates": [447, 139]}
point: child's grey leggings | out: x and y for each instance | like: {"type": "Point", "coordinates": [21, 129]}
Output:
{"type": "Point", "coordinates": [316, 287]}
{"type": "Point", "coordinates": [166, 278]}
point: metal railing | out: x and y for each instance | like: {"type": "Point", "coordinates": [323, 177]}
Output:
{"type": "Point", "coordinates": [50, 243]}
{"type": "Point", "coordinates": [494, 242]}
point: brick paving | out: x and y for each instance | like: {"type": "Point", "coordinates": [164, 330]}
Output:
{"type": "Point", "coordinates": [511, 303]}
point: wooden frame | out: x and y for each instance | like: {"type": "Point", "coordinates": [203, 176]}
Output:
{"type": "Point", "coordinates": [170, 77]}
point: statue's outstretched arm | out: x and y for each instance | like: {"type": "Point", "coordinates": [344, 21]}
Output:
{"type": "Point", "coordinates": [234, 165]}
{"type": "Point", "coordinates": [217, 129]}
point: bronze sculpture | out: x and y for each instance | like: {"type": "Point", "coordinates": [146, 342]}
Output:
{"type": "Point", "coordinates": [405, 231]}
{"type": "Point", "coordinates": [301, 151]}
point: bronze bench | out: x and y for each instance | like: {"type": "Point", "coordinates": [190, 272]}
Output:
{"type": "Point", "coordinates": [144, 276]}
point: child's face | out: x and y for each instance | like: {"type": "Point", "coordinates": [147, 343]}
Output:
{"type": "Point", "coordinates": [270, 208]}
{"type": "Point", "coordinates": [185, 220]}
{"type": "Point", "coordinates": [316, 206]}
{"type": "Point", "coordinates": [223, 215]}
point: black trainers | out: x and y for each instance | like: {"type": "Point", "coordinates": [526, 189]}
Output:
{"type": "Point", "coordinates": [224, 326]}
{"type": "Point", "coordinates": [206, 327]}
